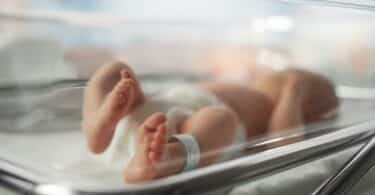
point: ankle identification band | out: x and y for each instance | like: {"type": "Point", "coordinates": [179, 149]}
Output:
{"type": "Point", "coordinates": [192, 150]}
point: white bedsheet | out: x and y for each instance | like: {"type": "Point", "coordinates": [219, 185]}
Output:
{"type": "Point", "coordinates": [297, 181]}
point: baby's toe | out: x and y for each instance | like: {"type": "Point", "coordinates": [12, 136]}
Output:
{"type": "Point", "coordinates": [125, 74]}
{"type": "Point", "coordinates": [161, 134]}
{"type": "Point", "coordinates": [154, 156]}
{"type": "Point", "coordinates": [146, 143]}
{"type": "Point", "coordinates": [154, 120]}
{"type": "Point", "coordinates": [158, 144]}
{"type": "Point", "coordinates": [149, 127]}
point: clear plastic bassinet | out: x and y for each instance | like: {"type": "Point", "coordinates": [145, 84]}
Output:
{"type": "Point", "coordinates": [49, 50]}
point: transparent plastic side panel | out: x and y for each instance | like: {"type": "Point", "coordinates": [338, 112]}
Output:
{"type": "Point", "coordinates": [242, 81]}
{"type": "Point", "coordinates": [364, 186]}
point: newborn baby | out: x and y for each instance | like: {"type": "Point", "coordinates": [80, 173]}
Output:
{"type": "Point", "coordinates": [190, 126]}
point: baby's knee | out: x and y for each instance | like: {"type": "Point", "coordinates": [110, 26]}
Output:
{"type": "Point", "coordinates": [215, 117]}
{"type": "Point", "coordinates": [221, 112]}
{"type": "Point", "coordinates": [220, 115]}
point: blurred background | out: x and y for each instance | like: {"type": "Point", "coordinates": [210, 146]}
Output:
{"type": "Point", "coordinates": [236, 40]}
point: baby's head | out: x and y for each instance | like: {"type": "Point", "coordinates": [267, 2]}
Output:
{"type": "Point", "coordinates": [319, 100]}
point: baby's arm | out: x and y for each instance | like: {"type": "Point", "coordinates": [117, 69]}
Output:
{"type": "Point", "coordinates": [288, 112]}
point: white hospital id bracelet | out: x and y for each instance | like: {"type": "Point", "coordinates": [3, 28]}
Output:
{"type": "Point", "coordinates": [192, 150]}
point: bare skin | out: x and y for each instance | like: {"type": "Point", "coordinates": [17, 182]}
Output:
{"type": "Point", "coordinates": [114, 92]}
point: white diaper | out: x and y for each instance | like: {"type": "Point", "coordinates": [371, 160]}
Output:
{"type": "Point", "coordinates": [178, 103]}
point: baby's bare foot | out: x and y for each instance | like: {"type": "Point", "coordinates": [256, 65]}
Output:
{"type": "Point", "coordinates": [151, 143]}
{"type": "Point", "coordinates": [118, 103]}
{"type": "Point", "coordinates": [120, 100]}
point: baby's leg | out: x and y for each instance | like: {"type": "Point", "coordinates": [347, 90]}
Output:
{"type": "Point", "coordinates": [111, 93]}
{"type": "Point", "coordinates": [212, 127]}
{"type": "Point", "coordinates": [252, 108]}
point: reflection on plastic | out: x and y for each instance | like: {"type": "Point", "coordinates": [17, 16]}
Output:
{"type": "Point", "coordinates": [53, 189]}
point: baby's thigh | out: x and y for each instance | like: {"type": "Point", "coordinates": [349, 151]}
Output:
{"type": "Point", "coordinates": [213, 126]}
{"type": "Point", "coordinates": [214, 129]}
